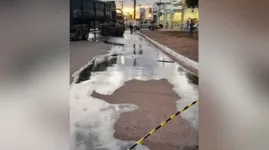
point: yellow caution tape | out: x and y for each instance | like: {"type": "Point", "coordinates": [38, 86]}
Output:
{"type": "Point", "coordinates": [162, 124]}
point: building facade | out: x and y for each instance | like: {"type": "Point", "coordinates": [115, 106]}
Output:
{"type": "Point", "coordinates": [142, 13]}
{"type": "Point", "coordinates": [158, 10]}
{"type": "Point", "coordinates": [174, 14]}
{"type": "Point", "coordinates": [148, 13]}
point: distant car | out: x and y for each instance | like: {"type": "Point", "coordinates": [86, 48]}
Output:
{"type": "Point", "coordinates": [143, 24]}
{"type": "Point", "coordinates": [185, 26]}
{"type": "Point", "coordinates": [196, 26]}
{"type": "Point", "coordinates": [155, 26]}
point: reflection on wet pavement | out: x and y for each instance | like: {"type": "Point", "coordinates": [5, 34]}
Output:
{"type": "Point", "coordinates": [111, 72]}
{"type": "Point", "coordinates": [93, 36]}
{"type": "Point", "coordinates": [134, 62]}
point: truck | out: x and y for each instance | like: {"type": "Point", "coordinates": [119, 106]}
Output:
{"type": "Point", "coordinates": [88, 15]}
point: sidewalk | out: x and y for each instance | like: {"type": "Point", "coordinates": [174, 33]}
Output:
{"type": "Point", "coordinates": [185, 46]}
{"type": "Point", "coordinates": [180, 43]}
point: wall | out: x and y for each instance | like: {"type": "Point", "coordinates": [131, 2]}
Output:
{"type": "Point", "coordinates": [189, 14]}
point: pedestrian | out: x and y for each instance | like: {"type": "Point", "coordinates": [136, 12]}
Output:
{"type": "Point", "coordinates": [189, 20]}
{"type": "Point", "coordinates": [188, 23]}
{"type": "Point", "coordinates": [131, 28]}
{"type": "Point", "coordinates": [190, 27]}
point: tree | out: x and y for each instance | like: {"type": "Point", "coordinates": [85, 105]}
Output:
{"type": "Point", "coordinates": [191, 3]}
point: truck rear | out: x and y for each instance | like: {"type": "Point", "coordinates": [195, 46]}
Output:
{"type": "Point", "coordinates": [93, 14]}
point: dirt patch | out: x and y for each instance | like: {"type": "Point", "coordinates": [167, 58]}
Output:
{"type": "Point", "coordinates": [156, 102]}
{"type": "Point", "coordinates": [180, 34]}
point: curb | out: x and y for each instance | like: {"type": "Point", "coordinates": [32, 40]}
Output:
{"type": "Point", "coordinates": [187, 63]}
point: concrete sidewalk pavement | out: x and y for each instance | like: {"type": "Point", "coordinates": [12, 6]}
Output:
{"type": "Point", "coordinates": [183, 50]}
{"type": "Point", "coordinates": [185, 46]}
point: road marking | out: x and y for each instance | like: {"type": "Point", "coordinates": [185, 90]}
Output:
{"type": "Point", "coordinates": [162, 124]}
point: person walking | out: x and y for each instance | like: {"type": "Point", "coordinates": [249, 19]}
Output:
{"type": "Point", "coordinates": [190, 27]}
{"type": "Point", "coordinates": [131, 28]}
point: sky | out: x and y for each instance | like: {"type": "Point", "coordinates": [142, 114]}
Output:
{"type": "Point", "coordinates": [128, 4]}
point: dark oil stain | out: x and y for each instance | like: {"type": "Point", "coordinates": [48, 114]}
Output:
{"type": "Point", "coordinates": [181, 69]}
{"type": "Point", "coordinates": [113, 43]}
{"type": "Point", "coordinates": [192, 78]}
{"type": "Point", "coordinates": [134, 64]}
{"type": "Point", "coordinates": [166, 61]}
{"type": "Point", "coordinates": [141, 52]}
{"type": "Point", "coordinates": [194, 147]}
{"type": "Point", "coordinates": [102, 66]}
{"type": "Point", "coordinates": [85, 74]}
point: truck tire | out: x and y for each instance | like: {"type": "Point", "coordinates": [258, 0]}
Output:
{"type": "Point", "coordinates": [118, 33]}
{"type": "Point", "coordinates": [121, 34]}
{"type": "Point", "coordinates": [85, 33]}
{"type": "Point", "coordinates": [79, 34]}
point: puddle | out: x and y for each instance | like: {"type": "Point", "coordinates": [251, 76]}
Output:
{"type": "Point", "coordinates": [135, 60]}
{"type": "Point", "coordinates": [93, 36]}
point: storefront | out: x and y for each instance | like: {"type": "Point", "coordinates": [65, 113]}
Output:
{"type": "Point", "coordinates": [191, 13]}
{"type": "Point", "coordinates": [175, 16]}
{"type": "Point", "coordinates": [171, 15]}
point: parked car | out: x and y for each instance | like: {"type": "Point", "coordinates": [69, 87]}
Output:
{"type": "Point", "coordinates": [155, 26]}
{"type": "Point", "coordinates": [143, 24]}
{"type": "Point", "coordinates": [196, 26]}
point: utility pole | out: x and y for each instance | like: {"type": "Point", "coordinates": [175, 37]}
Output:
{"type": "Point", "coordinates": [134, 9]}
{"type": "Point", "coordinates": [159, 12]}
{"type": "Point", "coordinates": [121, 4]}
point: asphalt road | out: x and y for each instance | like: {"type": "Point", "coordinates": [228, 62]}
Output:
{"type": "Point", "coordinates": [119, 98]}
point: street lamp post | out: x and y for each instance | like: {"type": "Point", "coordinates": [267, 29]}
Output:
{"type": "Point", "coordinates": [134, 9]}
{"type": "Point", "coordinates": [182, 17]}
{"type": "Point", "coordinates": [159, 16]}
{"type": "Point", "coordinates": [140, 17]}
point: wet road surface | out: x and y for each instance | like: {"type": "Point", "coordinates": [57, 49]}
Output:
{"type": "Point", "coordinates": [119, 97]}
{"type": "Point", "coordinates": [81, 52]}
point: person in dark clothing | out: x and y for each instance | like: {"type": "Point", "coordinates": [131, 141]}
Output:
{"type": "Point", "coordinates": [191, 24]}
{"type": "Point", "coordinates": [131, 28]}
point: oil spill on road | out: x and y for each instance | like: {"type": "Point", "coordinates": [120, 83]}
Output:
{"type": "Point", "coordinates": [192, 78]}
{"type": "Point", "coordinates": [85, 73]}
{"type": "Point", "coordinates": [96, 66]}
{"type": "Point", "coordinates": [103, 65]}
{"type": "Point", "coordinates": [96, 37]}
{"type": "Point", "coordinates": [114, 71]}
{"type": "Point", "coordinates": [113, 43]}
